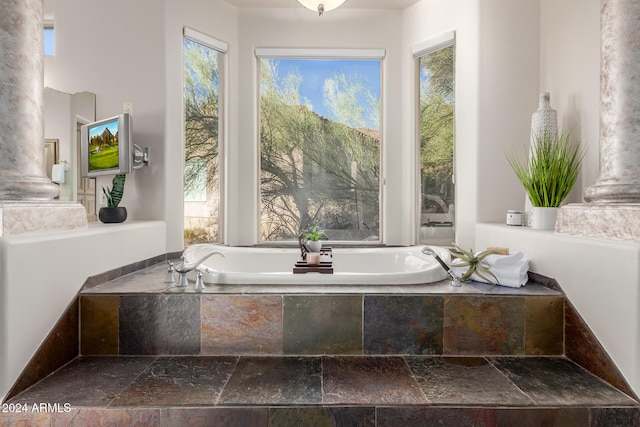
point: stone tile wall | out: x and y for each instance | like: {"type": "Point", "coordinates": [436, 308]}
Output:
{"type": "Point", "coordinates": [209, 324]}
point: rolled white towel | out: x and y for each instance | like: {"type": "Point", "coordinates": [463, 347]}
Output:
{"type": "Point", "coordinates": [512, 272]}
{"type": "Point", "coordinates": [514, 276]}
{"type": "Point", "coordinates": [501, 261]}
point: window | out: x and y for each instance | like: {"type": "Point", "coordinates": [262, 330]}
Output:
{"type": "Point", "coordinates": [320, 146]}
{"type": "Point", "coordinates": [436, 139]}
{"type": "Point", "coordinates": [203, 59]}
{"type": "Point", "coordinates": [49, 39]}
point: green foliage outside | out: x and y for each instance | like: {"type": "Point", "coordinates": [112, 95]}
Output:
{"type": "Point", "coordinates": [195, 235]}
{"type": "Point", "coordinates": [202, 114]}
{"type": "Point", "coordinates": [437, 108]}
{"type": "Point", "coordinates": [315, 170]}
{"type": "Point", "coordinates": [312, 170]}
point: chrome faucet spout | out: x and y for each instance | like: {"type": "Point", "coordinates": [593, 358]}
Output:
{"type": "Point", "coordinates": [185, 267]}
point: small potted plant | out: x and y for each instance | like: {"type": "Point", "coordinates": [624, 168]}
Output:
{"type": "Point", "coordinates": [313, 238]}
{"type": "Point", "coordinates": [548, 176]}
{"type": "Point", "coordinates": [113, 213]}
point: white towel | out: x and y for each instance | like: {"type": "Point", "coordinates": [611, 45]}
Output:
{"type": "Point", "coordinates": [57, 173]}
{"type": "Point", "coordinates": [510, 270]}
{"type": "Point", "coordinates": [496, 260]}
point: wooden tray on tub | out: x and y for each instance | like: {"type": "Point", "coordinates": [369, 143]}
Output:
{"type": "Point", "coordinates": [301, 266]}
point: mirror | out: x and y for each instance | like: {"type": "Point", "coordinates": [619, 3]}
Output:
{"type": "Point", "coordinates": [64, 113]}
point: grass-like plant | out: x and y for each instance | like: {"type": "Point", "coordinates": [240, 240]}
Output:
{"type": "Point", "coordinates": [552, 169]}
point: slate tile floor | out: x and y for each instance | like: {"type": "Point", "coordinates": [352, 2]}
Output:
{"type": "Point", "coordinates": [316, 390]}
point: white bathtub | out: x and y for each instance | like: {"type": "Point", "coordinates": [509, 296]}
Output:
{"type": "Point", "coordinates": [361, 266]}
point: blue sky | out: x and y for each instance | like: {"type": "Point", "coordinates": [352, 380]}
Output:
{"type": "Point", "coordinates": [48, 41]}
{"type": "Point", "coordinates": [315, 72]}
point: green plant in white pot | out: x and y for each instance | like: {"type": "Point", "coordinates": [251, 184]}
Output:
{"type": "Point", "coordinates": [313, 238]}
{"type": "Point", "coordinates": [549, 174]}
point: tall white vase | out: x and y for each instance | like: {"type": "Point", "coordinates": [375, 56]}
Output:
{"type": "Point", "coordinates": [543, 121]}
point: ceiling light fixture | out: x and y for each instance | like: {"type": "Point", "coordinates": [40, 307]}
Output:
{"type": "Point", "coordinates": [321, 6]}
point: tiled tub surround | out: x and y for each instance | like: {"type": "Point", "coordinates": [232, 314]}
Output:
{"type": "Point", "coordinates": [276, 356]}
{"type": "Point", "coordinates": [140, 315]}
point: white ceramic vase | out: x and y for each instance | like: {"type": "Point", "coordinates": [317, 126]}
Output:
{"type": "Point", "coordinates": [544, 218]}
{"type": "Point", "coordinates": [543, 121]}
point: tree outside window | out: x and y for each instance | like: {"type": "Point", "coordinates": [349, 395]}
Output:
{"type": "Point", "coordinates": [202, 119]}
{"type": "Point", "coordinates": [320, 148]}
{"type": "Point", "coordinates": [436, 139]}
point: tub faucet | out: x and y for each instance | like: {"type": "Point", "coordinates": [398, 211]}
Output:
{"type": "Point", "coordinates": [455, 280]}
{"type": "Point", "coordinates": [185, 267]}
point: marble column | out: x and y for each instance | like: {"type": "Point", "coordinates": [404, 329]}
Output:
{"type": "Point", "coordinates": [619, 180]}
{"type": "Point", "coordinates": [613, 208]}
{"type": "Point", "coordinates": [22, 175]}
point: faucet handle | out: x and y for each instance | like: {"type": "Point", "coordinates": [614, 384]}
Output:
{"type": "Point", "coordinates": [199, 283]}
{"type": "Point", "coordinates": [170, 278]}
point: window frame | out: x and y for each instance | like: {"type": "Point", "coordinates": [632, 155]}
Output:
{"type": "Point", "coordinates": [378, 54]}
{"type": "Point", "coordinates": [418, 50]}
{"type": "Point", "coordinates": [222, 48]}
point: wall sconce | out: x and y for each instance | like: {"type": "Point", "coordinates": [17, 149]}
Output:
{"type": "Point", "coordinates": [321, 6]}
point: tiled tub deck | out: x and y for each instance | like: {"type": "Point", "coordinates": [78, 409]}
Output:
{"type": "Point", "coordinates": [138, 314]}
{"type": "Point", "coordinates": [478, 355]}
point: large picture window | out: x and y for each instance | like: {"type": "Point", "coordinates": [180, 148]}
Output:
{"type": "Point", "coordinates": [320, 147]}
{"type": "Point", "coordinates": [436, 139]}
{"type": "Point", "coordinates": [203, 59]}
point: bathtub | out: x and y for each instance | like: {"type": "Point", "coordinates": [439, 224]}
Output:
{"type": "Point", "coordinates": [359, 266]}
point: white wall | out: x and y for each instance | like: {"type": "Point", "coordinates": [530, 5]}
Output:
{"type": "Point", "coordinates": [509, 87]}
{"type": "Point", "coordinates": [570, 71]}
{"type": "Point", "coordinates": [41, 273]}
{"type": "Point", "coordinates": [115, 49]}
{"type": "Point", "coordinates": [219, 20]}
{"type": "Point", "coordinates": [421, 22]}
{"type": "Point", "coordinates": [497, 85]}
